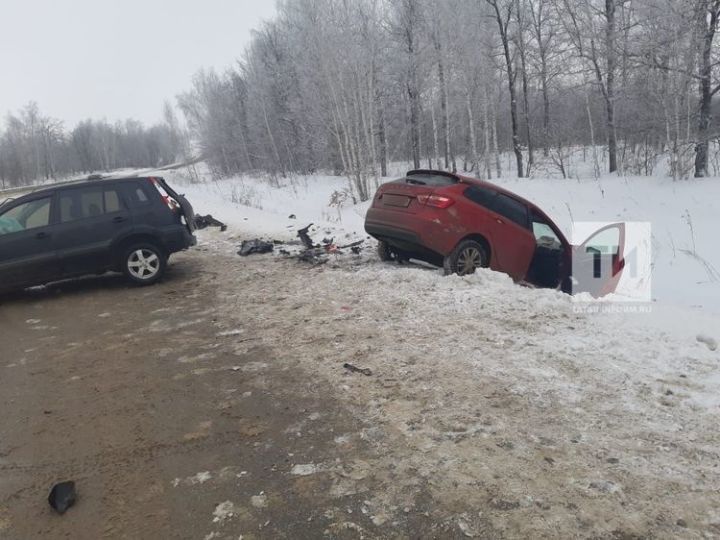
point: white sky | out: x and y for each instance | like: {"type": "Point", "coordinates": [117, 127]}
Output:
{"type": "Point", "coordinates": [116, 59]}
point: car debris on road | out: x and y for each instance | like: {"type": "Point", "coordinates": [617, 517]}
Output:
{"type": "Point", "coordinates": [354, 369]}
{"type": "Point", "coordinates": [317, 253]}
{"type": "Point", "coordinates": [249, 247]}
{"type": "Point", "coordinates": [203, 222]}
{"type": "Point", "coordinates": [62, 496]}
{"type": "Point", "coordinates": [311, 252]}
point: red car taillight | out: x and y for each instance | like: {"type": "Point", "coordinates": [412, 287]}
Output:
{"type": "Point", "coordinates": [171, 204]}
{"type": "Point", "coordinates": [438, 201]}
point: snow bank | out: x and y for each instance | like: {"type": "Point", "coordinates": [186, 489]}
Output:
{"type": "Point", "coordinates": [683, 215]}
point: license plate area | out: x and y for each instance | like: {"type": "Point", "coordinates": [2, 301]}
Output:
{"type": "Point", "coordinates": [398, 201]}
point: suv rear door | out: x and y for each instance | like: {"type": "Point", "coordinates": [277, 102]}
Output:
{"type": "Point", "coordinates": [186, 208]}
{"type": "Point", "coordinates": [90, 217]}
{"type": "Point", "coordinates": [27, 255]}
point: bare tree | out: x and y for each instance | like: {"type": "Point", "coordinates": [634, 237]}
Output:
{"type": "Point", "coordinates": [708, 12]}
{"type": "Point", "coordinates": [503, 12]}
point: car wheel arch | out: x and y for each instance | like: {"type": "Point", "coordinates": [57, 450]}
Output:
{"type": "Point", "coordinates": [139, 238]}
{"type": "Point", "coordinates": [480, 239]}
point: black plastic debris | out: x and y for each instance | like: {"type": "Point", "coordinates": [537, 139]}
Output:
{"type": "Point", "coordinates": [305, 237]}
{"type": "Point", "coordinates": [354, 369]}
{"type": "Point", "coordinates": [355, 247]}
{"type": "Point", "coordinates": [62, 496]}
{"type": "Point", "coordinates": [317, 254]}
{"type": "Point", "coordinates": [203, 222]}
{"type": "Point", "coordinates": [249, 247]}
{"type": "Point", "coordinates": [292, 216]}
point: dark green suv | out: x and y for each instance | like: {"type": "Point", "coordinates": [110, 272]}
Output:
{"type": "Point", "coordinates": [131, 225]}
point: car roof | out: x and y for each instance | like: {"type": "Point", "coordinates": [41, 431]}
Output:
{"type": "Point", "coordinates": [465, 179]}
{"type": "Point", "coordinates": [40, 190]}
{"type": "Point", "coordinates": [470, 180]}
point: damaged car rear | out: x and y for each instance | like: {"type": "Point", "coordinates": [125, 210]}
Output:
{"type": "Point", "coordinates": [462, 224]}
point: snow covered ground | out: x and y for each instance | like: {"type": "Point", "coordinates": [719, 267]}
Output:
{"type": "Point", "coordinates": [684, 217]}
{"type": "Point", "coordinates": [487, 395]}
{"type": "Point", "coordinates": [499, 408]}
{"type": "Point", "coordinates": [484, 394]}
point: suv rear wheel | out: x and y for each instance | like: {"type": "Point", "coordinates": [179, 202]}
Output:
{"type": "Point", "coordinates": [467, 257]}
{"type": "Point", "coordinates": [144, 263]}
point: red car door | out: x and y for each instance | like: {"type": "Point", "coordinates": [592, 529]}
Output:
{"type": "Point", "coordinates": [504, 221]}
{"type": "Point", "coordinates": [513, 242]}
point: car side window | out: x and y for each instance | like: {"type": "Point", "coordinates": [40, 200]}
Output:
{"type": "Point", "coordinates": [544, 235]}
{"type": "Point", "coordinates": [139, 195]}
{"type": "Point", "coordinates": [499, 203]}
{"type": "Point", "coordinates": [87, 203]}
{"type": "Point", "coordinates": [29, 215]}
{"type": "Point", "coordinates": [112, 201]}
{"type": "Point", "coordinates": [482, 196]}
{"type": "Point", "coordinates": [511, 209]}
{"type": "Point", "coordinates": [606, 242]}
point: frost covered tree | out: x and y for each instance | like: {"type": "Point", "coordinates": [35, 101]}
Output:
{"type": "Point", "coordinates": [35, 147]}
{"type": "Point", "coordinates": [488, 87]}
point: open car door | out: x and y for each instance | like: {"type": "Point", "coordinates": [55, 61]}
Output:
{"type": "Point", "coordinates": [598, 263]}
{"type": "Point", "coordinates": [185, 206]}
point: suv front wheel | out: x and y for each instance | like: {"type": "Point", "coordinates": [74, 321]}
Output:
{"type": "Point", "coordinates": [144, 263]}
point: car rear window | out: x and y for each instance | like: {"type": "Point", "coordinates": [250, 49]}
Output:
{"type": "Point", "coordinates": [430, 179]}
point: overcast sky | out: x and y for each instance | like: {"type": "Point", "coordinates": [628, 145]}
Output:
{"type": "Point", "coordinates": [116, 58]}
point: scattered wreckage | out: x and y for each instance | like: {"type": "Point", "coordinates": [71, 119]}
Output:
{"type": "Point", "coordinates": [203, 222]}
{"type": "Point", "coordinates": [311, 252]}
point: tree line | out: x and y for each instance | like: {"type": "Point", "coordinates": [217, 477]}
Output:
{"type": "Point", "coordinates": [350, 86]}
{"type": "Point", "coordinates": [36, 147]}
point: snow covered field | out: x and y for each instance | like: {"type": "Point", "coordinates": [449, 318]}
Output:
{"type": "Point", "coordinates": [498, 407]}
{"type": "Point", "coordinates": [683, 216]}
{"type": "Point", "coordinates": [495, 396]}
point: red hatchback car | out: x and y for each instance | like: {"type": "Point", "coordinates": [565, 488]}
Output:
{"type": "Point", "coordinates": [462, 224]}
